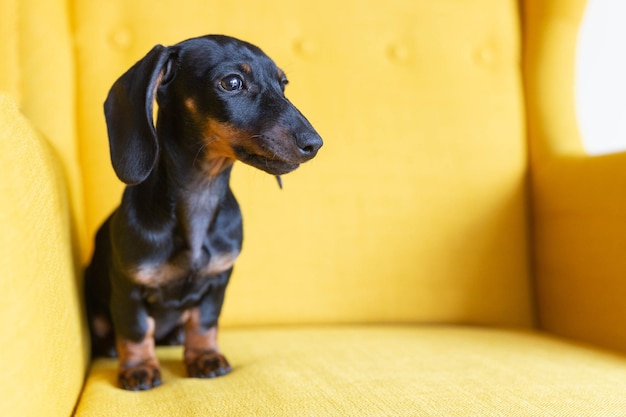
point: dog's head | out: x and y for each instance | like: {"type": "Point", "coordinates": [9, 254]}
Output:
{"type": "Point", "coordinates": [218, 97]}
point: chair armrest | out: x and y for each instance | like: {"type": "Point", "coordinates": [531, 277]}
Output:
{"type": "Point", "coordinates": [580, 247]}
{"type": "Point", "coordinates": [44, 348]}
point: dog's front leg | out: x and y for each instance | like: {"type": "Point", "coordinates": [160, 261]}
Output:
{"type": "Point", "coordinates": [138, 364]}
{"type": "Point", "coordinates": [202, 355]}
{"type": "Point", "coordinates": [134, 333]}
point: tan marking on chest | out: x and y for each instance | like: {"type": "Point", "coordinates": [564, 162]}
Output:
{"type": "Point", "coordinates": [158, 275]}
{"type": "Point", "coordinates": [220, 263]}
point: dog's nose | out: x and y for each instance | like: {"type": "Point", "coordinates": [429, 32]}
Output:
{"type": "Point", "coordinates": [308, 143]}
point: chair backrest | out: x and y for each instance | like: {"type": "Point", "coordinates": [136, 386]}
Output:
{"type": "Point", "coordinates": [415, 208]}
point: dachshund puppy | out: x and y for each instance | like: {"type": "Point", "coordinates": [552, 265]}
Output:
{"type": "Point", "coordinates": [163, 258]}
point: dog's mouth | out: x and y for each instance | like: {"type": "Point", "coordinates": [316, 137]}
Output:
{"type": "Point", "coordinates": [272, 165]}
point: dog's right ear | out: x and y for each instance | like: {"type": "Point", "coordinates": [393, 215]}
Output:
{"type": "Point", "coordinates": [128, 111]}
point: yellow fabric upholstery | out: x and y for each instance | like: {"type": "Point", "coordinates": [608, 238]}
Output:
{"type": "Point", "coordinates": [379, 371]}
{"type": "Point", "coordinates": [44, 350]}
{"type": "Point", "coordinates": [9, 70]}
{"type": "Point", "coordinates": [38, 71]}
{"type": "Point", "coordinates": [399, 216]}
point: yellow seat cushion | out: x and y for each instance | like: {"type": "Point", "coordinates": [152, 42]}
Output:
{"type": "Point", "coordinates": [377, 371]}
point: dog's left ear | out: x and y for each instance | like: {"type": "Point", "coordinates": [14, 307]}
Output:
{"type": "Point", "coordinates": [128, 111]}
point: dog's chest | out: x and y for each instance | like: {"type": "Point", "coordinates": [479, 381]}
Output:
{"type": "Point", "coordinates": [183, 266]}
{"type": "Point", "coordinates": [205, 241]}
{"type": "Point", "coordinates": [182, 280]}
{"type": "Point", "coordinates": [174, 286]}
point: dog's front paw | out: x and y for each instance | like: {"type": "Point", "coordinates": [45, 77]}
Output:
{"type": "Point", "coordinates": [208, 364]}
{"type": "Point", "coordinates": [139, 378]}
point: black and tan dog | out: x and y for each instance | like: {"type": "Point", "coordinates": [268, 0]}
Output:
{"type": "Point", "coordinates": [163, 259]}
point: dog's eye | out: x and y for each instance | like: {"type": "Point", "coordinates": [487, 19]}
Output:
{"type": "Point", "coordinates": [232, 83]}
{"type": "Point", "coordinates": [283, 83]}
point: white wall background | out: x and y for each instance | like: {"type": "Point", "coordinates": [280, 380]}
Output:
{"type": "Point", "coordinates": [601, 77]}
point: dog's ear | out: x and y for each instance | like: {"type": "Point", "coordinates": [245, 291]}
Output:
{"type": "Point", "coordinates": [128, 112]}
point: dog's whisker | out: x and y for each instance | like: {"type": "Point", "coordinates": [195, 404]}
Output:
{"type": "Point", "coordinates": [204, 146]}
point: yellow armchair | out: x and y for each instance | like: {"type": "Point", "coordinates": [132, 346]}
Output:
{"type": "Point", "coordinates": [452, 251]}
